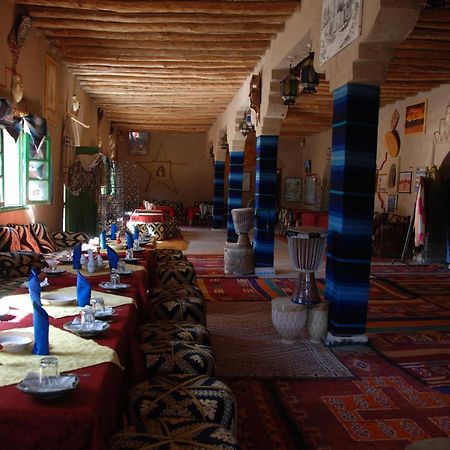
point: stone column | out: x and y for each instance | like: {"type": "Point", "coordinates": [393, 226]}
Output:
{"type": "Point", "coordinates": [218, 200]}
{"type": "Point", "coordinates": [353, 164]}
{"type": "Point", "coordinates": [234, 190]}
{"type": "Point", "coordinates": [265, 202]}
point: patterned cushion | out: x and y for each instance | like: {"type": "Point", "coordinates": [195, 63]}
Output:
{"type": "Point", "coordinates": [68, 238]}
{"type": "Point", "coordinates": [175, 273]}
{"type": "Point", "coordinates": [26, 237]}
{"type": "Point", "coordinates": [18, 264]}
{"type": "Point", "coordinates": [177, 206]}
{"type": "Point", "coordinates": [163, 255]}
{"type": "Point", "coordinates": [173, 433]}
{"type": "Point", "coordinates": [165, 358]}
{"type": "Point", "coordinates": [9, 239]}
{"type": "Point", "coordinates": [173, 230]}
{"type": "Point", "coordinates": [43, 237]}
{"type": "Point", "coordinates": [182, 290]}
{"type": "Point", "coordinates": [180, 309]}
{"type": "Point", "coordinates": [161, 330]}
{"type": "Point", "coordinates": [158, 229]}
{"type": "Point", "coordinates": [202, 398]}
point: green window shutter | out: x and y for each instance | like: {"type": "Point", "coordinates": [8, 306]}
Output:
{"type": "Point", "coordinates": [2, 179]}
{"type": "Point", "coordinates": [38, 171]}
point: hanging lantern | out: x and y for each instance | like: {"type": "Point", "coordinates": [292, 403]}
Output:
{"type": "Point", "coordinates": [289, 87]}
{"type": "Point", "coordinates": [308, 76]}
{"type": "Point", "coordinates": [246, 125]}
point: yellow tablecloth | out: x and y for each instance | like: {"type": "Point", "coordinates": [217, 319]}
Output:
{"type": "Point", "coordinates": [23, 302]}
{"type": "Point", "coordinates": [72, 351]}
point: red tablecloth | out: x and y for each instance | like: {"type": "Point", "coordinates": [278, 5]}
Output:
{"type": "Point", "coordinates": [86, 417]}
{"type": "Point", "coordinates": [148, 217]}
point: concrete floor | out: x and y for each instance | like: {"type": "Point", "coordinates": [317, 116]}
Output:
{"type": "Point", "coordinates": [207, 241]}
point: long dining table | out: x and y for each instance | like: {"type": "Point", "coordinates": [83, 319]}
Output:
{"type": "Point", "coordinates": [85, 417]}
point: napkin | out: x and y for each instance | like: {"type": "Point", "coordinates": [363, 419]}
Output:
{"type": "Point", "coordinates": [113, 259]}
{"type": "Point", "coordinates": [40, 317]}
{"type": "Point", "coordinates": [130, 239]}
{"type": "Point", "coordinates": [102, 239]}
{"type": "Point", "coordinates": [83, 291]}
{"type": "Point", "coordinates": [135, 232]}
{"type": "Point", "coordinates": [113, 231]}
{"type": "Point", "coordinates": [77, 256]}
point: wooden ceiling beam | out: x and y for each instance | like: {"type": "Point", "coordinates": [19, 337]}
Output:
{"type": "Point", "coordinates": [125, 68]}
{"type": "Point", "coordinates": [173, 6]}
{"type": "Point", "coordinates": [148, 60]}
{"type": "Point", "coordinates": [131, 73]}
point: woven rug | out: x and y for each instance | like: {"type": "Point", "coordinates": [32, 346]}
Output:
{"type": "Point", "coordinates": [207, 265]}
{"type": "Point", "coordinates": [410, 269]}
{"type": "Point", "coordinates": [246, 345]}
{"type": "Point", "coordinates": [381, 409]}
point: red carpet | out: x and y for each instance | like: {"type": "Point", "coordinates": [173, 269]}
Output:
{"type": "Point", "coordinates": [382, 409]}
{"type": "Point", "coordinates": [207, 265]}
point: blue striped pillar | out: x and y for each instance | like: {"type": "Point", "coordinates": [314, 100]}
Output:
{"type": "Point", "coordinates": [234, 191]}
{"type": "Point", "coordinates": [353, 163]}
{"type": "Point", "coordinates": [265, 200]}
{"type": "Point", "coordinates": [218, 200]}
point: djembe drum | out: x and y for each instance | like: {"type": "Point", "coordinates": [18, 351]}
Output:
{"type": "Point", "coordinates": [306, 249]}
{"type": "Point", "coordinates": [243, 220]}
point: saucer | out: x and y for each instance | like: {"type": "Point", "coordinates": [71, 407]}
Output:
{"type": "Point", "coordinates": [116, 287]}
{"type": "Point", "coordinates": [76, 328]}
{"type": "Point", "coordinates": [14, 342]}
{"type": "Point", "coordinates": [56, 387]}
{"type": "Point", "coordinates": [55, 299]}
{"type": "Point", "coordinates": [48, 271]}
{"type": "Point", "coordinates": [105, 314]}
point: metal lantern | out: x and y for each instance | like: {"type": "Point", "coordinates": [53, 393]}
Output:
{"type": "Point", "coordinates": [246, 125]}
{"type": "Point", "coordinates": [289, 87]}
{"type": "Point", "coordinates": [308, 76]}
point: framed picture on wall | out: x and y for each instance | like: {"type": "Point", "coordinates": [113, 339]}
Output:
{"type": "Point", "coordinates": [247, 182]}
{"type": "Point", "coordinates": [51, 89]}
{"type": "Point", "coordinates": [391, 203]}
{"type": "Point", "coordinates": [138, 142]}
{"type": "Point", "coordinates": [310, 189]}
{"type": "Point", "coordinates": [292, 189]}
{"type": "Point", "coordinates": [415, 118]}
{"type": "Point", "coordinates": [404, 182]}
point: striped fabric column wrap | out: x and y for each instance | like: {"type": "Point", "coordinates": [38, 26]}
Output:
{"type": "Point", "coordinates": [218, 200]}
{"type": "Point", "coordinates": [353, 164]}
{"type": "Point", "coordinates": [265, 199]}
{"type": "Point", "coordinates": [234, 191]}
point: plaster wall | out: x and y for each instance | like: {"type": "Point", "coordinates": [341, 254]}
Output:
{"type": "Point", "coordinates": [192, 171]}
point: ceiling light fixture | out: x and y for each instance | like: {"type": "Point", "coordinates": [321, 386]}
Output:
{"type": "Point", "coordinates": [246, 125]}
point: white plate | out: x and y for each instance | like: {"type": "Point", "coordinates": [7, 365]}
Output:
{"type": "Point", "coordinates": [106, 313]}
{"type": "Point", "coordinates": [117, 287]}
{"type": "Point", "coordinates": [57, 387]}
{"type": "Point", "coordinates": [14, 342]}
{"type": "Point", "coordinates": [56, 299]}
{"type": "Point", "coordinates": [99, 327]}
{"type": "Point", "coordinates": [48, 271]}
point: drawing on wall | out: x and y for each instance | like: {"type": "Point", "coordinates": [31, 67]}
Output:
{"type": "Point", "coordinates": [161, 170]}
{"type": "Point", "coordinates": [404, 182]}
{"type": "Point", "coordinates": [415, 118]}
{"type": "Point", "coordinates": [341, 25]}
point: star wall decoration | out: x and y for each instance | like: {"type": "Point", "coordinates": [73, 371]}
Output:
{"type": "Point", "coordinates": [161, 171]}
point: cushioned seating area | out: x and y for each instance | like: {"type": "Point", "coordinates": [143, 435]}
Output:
{"type": "Point", "coordinates": [161, 330]}
{"type": "Point", "coordinates": [19, 264]}
{"type": "Point", "coordinates": [177, 206]}
{"type": "Point", "coordinates": [181, 290]}
{"type": "Point", "coordinates": [173, 273]}
{"type": "Point", "coordinates": [203, 398]}
{"type": "Point", "coordinates": [174, 433]}
{"type": "Point", "coordinates": [180, 309]}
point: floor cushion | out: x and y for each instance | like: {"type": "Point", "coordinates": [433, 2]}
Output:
{"type": "Point", "coordinates": [161, 330]}
{"type": "Point", "coordinates": [180, 309]}
{"type": "Point", "coordinates": [9, 239]}
{"type": "Point", "coordinates": [173, 433]}
{"type": "Point", "coordinates": [181, 290]}
{"type": "Point", "coordinates": [203, 398]}
{"type": "Point", "coordinates": [175, 273]}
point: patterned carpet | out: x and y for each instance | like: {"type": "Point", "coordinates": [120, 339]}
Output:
{"type": "Point", "coordinates": [207, 265]}
{"type": "Point", "coordinates": [247, 345]}
{"type": "Point", "coordinates": [382, 409]}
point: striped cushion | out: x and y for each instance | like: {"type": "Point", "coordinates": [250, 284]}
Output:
{"type": "Point", "coordinates": [68, 238]}
{"type": "Point", "coordinates": [161, 330]}
{"type": "Point", "coordinates": [172, 357]}
{"type": "Point", "coordinates": [180, 309]}
{"type": "Point", "coordinates": [203, 398]}
{"type": "Point", "coordinates": [173, 433]}
{"type": "Point", "coordinates": [43, 237]}
{"type": "Point", "coordinates": [26, 236]}
{"type": "Point", "coordinates": [9, 239]}
{"type": "Point", "coordinates": [18, 264]}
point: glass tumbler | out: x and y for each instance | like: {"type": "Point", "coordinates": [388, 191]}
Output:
{"type": "Point", "coordinates": [48, 369]}
{"type": "Point", "coordinates": [114, 279]}
{"type": "Point", "coordinates": [121, 266]}
{"type": "Point", "coordinates": [87, 318]}
{"type": "Point", "coordinates": [98, 304]}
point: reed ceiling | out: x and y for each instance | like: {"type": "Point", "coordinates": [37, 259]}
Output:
{"type": "Point", "coordinates": [174, 65]}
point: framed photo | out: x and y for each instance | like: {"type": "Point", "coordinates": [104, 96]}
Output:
{"type": "Point", "coordinates": [391, 203]}
{"type": "Point", "coordinates": [51, 89]}
{"type": "Point", "coordinates": [292, 189]}
{"type": "Point", "coordinates": [382, 182]}
{"type": "Point", "coordinates": [307, 166]}
{"type": "Point", "coordinates": [247, 182]}
{"type": "Point", "coordinates": [310, 189]}
{"type": "Point", "coordinates": [415, 118]}
{"type": "Point", "coordinates": [404, 182]}
{"type": "Point", "coordinates": [138, 144]}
